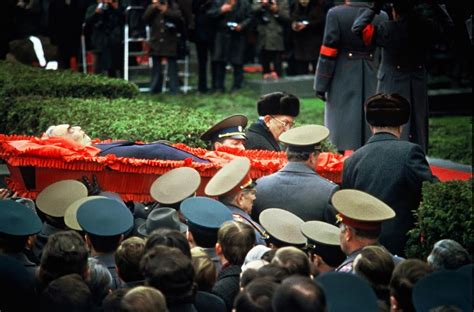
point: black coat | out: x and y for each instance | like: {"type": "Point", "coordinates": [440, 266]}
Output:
{"type": "Point", "coordinates": [228, 284]}
{"type": "Point", "coordinates": [145, 151]}
{"type": "Point", "coordinates": [260, 138]}
{"type": "Point", "coordinates": [393, 171]}
{"type": "Point", "coordinates": [207, 302]}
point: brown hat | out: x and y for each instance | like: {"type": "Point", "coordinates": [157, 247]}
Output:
{"type": "Point", "coordinates": [387, 110]}
{"type": "Point", "coordinates": [278, 103]}
{"type": "Point", "coordinates": [304, 138]}
{"type": "Point", "coordinates": [175, 185]}
{"type": "Point", "coordinates": [70, 215]}
{"type": "Point", "coordinates": [56, 198]}
{"type": "Point", "coordinates": [283, 226]}
{"type": "Point", "coordinates": [231, 178]}
{"type": "Point", "coordinates": [361, 210]}
{"type": "Point", "coordinates": [231, 127]}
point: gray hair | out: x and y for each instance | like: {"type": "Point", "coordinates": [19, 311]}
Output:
{"type": "Point", "coordinates": [49, 131]}
{"type": "Point", "coordinates": [448, 254]}
{"type": "Point", "coordinates": [99, 280]}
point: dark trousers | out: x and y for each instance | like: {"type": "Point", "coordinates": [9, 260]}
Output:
{"type": "Point", "coordinates": [157, 75]}
{"type": "Point", "coordinates": [267, 57]}
{"type": "Point", "coordinates": [238, 71]}
{"type": "Point", "coordinates": [203, 49]}
{"type": "Point", "coordinates": [302, 67]}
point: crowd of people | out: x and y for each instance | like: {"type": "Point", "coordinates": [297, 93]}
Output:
{"type": "Point", "coordinates": [289, 241]}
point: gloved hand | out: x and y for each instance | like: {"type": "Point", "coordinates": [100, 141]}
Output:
{"type": "Point", "coordinates": [321, 95]}
{"type": "Point", "coordinates": [92, 188]}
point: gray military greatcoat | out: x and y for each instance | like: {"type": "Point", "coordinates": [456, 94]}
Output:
{"type": "Point", "coordinates": [346, 71]}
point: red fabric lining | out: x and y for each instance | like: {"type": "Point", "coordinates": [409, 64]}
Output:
{"type": "Point", "coordinates": [57, 159]}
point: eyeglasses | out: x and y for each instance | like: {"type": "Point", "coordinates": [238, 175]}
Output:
{"type": "Point", "coordinates": [284, 123]}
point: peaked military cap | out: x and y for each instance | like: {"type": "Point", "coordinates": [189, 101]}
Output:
{"type": "Point", "coordinates": [283, 226]}
{"type": "Point", "coordinates": [56, 198]}
{"type": "Point", "coordinates": [361, 210]}
{"type": "Point", "coordinates": [231, 127]}
{"type": "Point", "coordinates": [323, 240]}
{"type": "Point", "coordinates": [231, 178]}
{"type": "Point", "coordinates": [104, 217]}
{"type": "Point", "coordinates": [443, 288]}
{"type": "Point", "coordinates": [385, 110]}
{"type": "Point", "coordinates": [278, 103]}
{"type": "Point", "coordinates": [17, 219]}
{"type": "Point", "coordinates": [70, 216]}
{"type": "Point", "coordinates": [175, 185]}
{"type": "Point", "coordinates": [347, 292]}
{"type": "Point", "coordinates": [304, 138]}
{"type": "Point", "coordinates": [205, 213]}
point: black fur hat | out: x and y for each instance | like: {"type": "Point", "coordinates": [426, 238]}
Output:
{"type": "Point", "coordinates": [387, 110]}
{"type": "Point", "coordinates": [278, 103]}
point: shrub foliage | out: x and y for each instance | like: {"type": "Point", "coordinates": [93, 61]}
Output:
{"type": "Point", "coordinates": [446, 212]}
{"type": "Point", "coordinates": [20, 80]}
{"type": "Point", "coordinates": [127, 119]}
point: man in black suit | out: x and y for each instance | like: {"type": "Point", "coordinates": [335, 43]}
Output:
{"type": "Point", "coordinates": [156, 150]}
{"type": "Point", "coordinates": [277, 112]}
{"type": "Point", "coordinates": [388, 168]}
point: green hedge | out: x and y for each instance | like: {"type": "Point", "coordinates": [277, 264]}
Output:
{"type": "Point", "coordinates": [20, 80]}
{"type": "Point", "coordinates": [102, 118]}
{"type": "Point", "coordinates": [446, 212]}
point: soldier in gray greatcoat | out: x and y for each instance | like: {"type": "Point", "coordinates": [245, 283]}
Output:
{"type": "Point", "coordinates": [346, 76]}
{"type": "Point", "coordinates": [405, 42]}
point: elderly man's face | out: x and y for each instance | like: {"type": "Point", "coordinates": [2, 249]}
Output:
{"type": "Point", "coordinates": [247, 198]}
{"type": "Point", "coordinates": [277, 124]}
{"type": "Point", "coordinates": [73, 133]}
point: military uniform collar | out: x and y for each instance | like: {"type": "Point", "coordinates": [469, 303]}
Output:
{"type": "Point", "coordinates": [382, 136]}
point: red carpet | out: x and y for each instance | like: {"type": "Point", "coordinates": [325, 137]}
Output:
{"type": "Point", "coordinates": [445, 174]}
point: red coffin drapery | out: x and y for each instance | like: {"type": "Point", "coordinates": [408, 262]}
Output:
{"type": "Point", "coordinates": [35, 163]}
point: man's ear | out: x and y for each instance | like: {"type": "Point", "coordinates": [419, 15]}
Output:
{"type": "Point", "coordinates": [266, 119]}
{"type": "Point", "coordinates": [393, 304]}
{"type": "Point", "coordinates": [348, 234]}
{"type": "Point", "coordinates": [218, 249]}
{"type": "Point", "coordinates": [190, 238]}
{"type": "Point", "coordinates": [217, 145]}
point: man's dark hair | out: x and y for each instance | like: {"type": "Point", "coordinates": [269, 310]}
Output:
{"type": "Point", "coordinates": [170, 271]}
{"type": "Point", "coordinates": [12, 243]}
{"type": "Point", "coordinates": [64, 253]}
{"type": "Point", "coordinates": [113, 301]}
{"type": "Point", "coordinates": [299, 293]}
{"type": "Point", "coordinates": [404, 277]}
{"type": "Point", "coordinates": [273, 271]}
{"type": "Point", "coordinates": [104, 244]}
{"type": "Point", "coordinates": [256, 296]}
{"type": "Point", "coordinates": [293, 260]}
{"type": "Point", "coordinates": [297, 156]}
{"type": "Point", "coordinates": [127, 259]}
{"type": "Point", "coordinates": [236, 239]}
{"type": "Point", "coordinates": [67, 293]}
{"type": "Point", "coordinates": [365, 233]}
{"type": "Point", "coordinates": [170, 238]}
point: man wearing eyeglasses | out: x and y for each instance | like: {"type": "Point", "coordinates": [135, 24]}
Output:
{"type": "Point", "coordinates": [277, 113]}
{"type": "Point", "coordinates": [297, 187]}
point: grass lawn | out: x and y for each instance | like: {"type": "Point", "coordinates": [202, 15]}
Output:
{"type": "Point", "coordinates": [450, 137]}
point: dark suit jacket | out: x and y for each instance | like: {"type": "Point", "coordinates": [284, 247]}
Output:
{"type": "Point", "coordinates": [146, 151]}
{"type": "Point", "coordinates": [393, 171]}
{"type": "Point", "coordinates": [298, 189]}
{"type": "Point", "coordinates": [227, 286]}
{"type": "Point", "coordinates": [260, 138]}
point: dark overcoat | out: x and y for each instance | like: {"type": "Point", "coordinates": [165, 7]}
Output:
{"type": "Point", "coordinates": [405, 43]}
{"type": "Point", "coordinates": [165, 29]}
{"type": "Point", "coordinates": [346, 72]}
{"type": "Point", "coordinates": [260, 138]}
{"type": "Point", "coordinates": [298, 189]}
{"type": "Point", "coordinates": [271, 26]}
{"type": "Point", "coordinates": [393, 171]}
{"type": "Point", "coordinates": [227, 285]}
{"type": "Point", "coordinates": [229, 45]}
{"type": "Point", "coordinates": [307, 42]}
